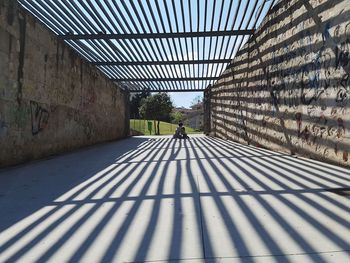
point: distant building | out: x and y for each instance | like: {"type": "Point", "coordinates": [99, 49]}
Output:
{"type": "Point", "coordinates": [182, 110]}
{"type": "Point", "coordinates": [192, 117]}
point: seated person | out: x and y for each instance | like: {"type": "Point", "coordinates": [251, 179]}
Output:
{"type": "Point", "coordinates": [184, 134]}
{"type": "Point", "coordinates": [180, 132]}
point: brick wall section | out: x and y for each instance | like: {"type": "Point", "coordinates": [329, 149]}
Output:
{"type": "Point", "coordinates": [289, 87]}
{"type": "Point", "coordinates": [51, 100]}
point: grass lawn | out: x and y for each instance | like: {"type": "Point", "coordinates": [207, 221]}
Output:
{"type": "Point", "coordinates": [164, 127]}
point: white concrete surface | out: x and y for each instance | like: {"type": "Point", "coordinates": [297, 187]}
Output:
{"type": "Point", "coordinates": [160, 200]}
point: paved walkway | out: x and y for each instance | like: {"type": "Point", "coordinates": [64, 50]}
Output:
{"type": "Point", "coordinates": [157, 199]}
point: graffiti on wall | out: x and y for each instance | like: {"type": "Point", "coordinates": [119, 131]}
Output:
{"type": "Point", "coordinates": [293, 91]}
{"type": "Point", "coordinates": [39, 117]}
{"type": "Point", "coordinates": [343, 62]}
{"type": "Point", "coordinates": [3, 129]}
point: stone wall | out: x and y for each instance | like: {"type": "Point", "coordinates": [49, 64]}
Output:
{"type": "Point", "coordinates": [51, 100]}
{"type": "Point", "coordinates": [288, 89]}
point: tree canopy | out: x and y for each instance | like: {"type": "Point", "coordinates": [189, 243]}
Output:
{"type": "Point", "coordinates": [135, 103]}
{"type": "Point", "coordinates": [196, 100]}
{"type": "Point", "coordinates": [156, 107]}
{"type": "Point", "coordinates": [177, 117]}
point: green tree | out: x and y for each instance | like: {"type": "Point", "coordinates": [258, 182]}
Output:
{"type": "Point", "coordinates": [157, 108]}
{"type": "Point", "coordinates": [177, 117]}
{"type": "Point", "coordinates": [196, 100]}
{"type": "Point", "coordinates": [135, 103]}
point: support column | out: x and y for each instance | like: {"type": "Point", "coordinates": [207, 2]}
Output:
{"type": "Point", "coordinates": [207, 113]}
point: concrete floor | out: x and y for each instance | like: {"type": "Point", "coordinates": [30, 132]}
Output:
{"type": "Point", "coordinates": [157, 199]}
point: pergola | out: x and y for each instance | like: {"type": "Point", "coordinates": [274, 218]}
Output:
{"type": "Point", "coordinates": [156, 45]}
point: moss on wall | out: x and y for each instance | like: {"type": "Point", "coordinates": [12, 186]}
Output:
{"type": "Point", "coordinates": [51, 100]}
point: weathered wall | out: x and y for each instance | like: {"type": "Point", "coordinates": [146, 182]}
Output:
{"type": "Point", "coordinates": [288, 89]}
{"type": "Point", "coordinates": [51, 100]}
{"type": "Point", "coordinates": [206, 110]}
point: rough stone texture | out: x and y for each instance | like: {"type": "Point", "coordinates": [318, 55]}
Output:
{"type": "Point", "coordinates": [289, 87]}
{"type": "Point", "coordinates": [206, 110]}
{"type": "Point", "coordinates": [51, 100]}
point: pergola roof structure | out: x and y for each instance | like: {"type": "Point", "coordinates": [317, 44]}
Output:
{"type": "Point", "coordinates": [159, 45]}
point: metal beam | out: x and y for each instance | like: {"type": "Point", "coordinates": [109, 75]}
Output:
{"type": "Point", "coordinates": [162, 79]}
{"type": "Point", "coordinates": [147, 46]}
{"type": "Point", "coordinates": [153, 63]}
{"type": "Point", "coordinates": [159, 35]}
{"type": "Point", "coordinates": [168, 90]}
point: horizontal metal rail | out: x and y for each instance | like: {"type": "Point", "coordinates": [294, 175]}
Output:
{"type": "Point", "coordinates": [158, 35]}
{"type": "Point", "coordinates": [159, 46]}
{"type": "Point", "coordinates": [162, 79]}
{"type": "Point", "coordinates": [169, 90]}
{"type": "Point", "coordinates": [154, 63]}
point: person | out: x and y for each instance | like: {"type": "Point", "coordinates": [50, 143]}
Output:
{"type": "Point", "coordinates": [177, 134]}
{"type": "Point", "coordinates": [180, 132]}
{"type": "Point", "coordinates": [183, 132]}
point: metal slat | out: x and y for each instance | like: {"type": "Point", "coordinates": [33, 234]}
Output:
{"type": "Point", "coordinates": [192, 42]}
{"type": "Point", "coordinates": [249, 20]}
{"type": "Point", "coordinates": [233, 25]}
{"type": "Point", "coordinates": [185, 39]}
{"type": "Point", "coordinates": [198, 30]}
{"type": "Point", "coordinates": [164, 79]}
{"type": "Point", "coordinates": [205, 29]}
{"type": "Point", "coordinates": [155, 40]}
{"type": "Point", "coordinates": [150, 63]}
{"type": "Point", "coordinates": [167, 41]}
{"type": "Point", "coordinates": [223, 40]}
{"type": "Point", "coordinates": [159, 35]}
{"type": "Point", "coordinates": [135, 46]}
{"type": "Point", "coordinates": [108, 34]}
{"type": "Point", "coordinates": [140, 43]}
{"type": "Point", "coordinates": [218, 38]}
{"type": "Point", "coordinates": [169, 90]}
{"type": "Point", "coordinates": [177, 27]}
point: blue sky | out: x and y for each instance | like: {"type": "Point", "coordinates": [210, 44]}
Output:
{"type": "Point", "coordinates": [142, 16]}
{"type": "Point", "coordinates": [184, 99]}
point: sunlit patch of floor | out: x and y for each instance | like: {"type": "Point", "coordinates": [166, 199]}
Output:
{"type": "Point", "coordinates": [159, 199]}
